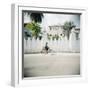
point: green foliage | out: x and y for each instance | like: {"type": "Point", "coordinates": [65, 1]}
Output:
{"type": "Point", "coordinates": [36, 17]}
{"type": "Point", "coordinates": [57, 37]}
{"type": "Point", "coordinates": [53, 37]}
{"type": "Point", "coordinates": [49, 36]}
{"type": "Point", "coordinates": [68, 27]}
{"type": "Point", "coordinates": [35, 28]}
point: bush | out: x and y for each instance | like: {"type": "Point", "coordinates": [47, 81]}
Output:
{"type": "Point", "coordinates": [34, 27]}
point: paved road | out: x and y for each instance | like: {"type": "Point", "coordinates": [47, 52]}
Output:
{"type": "Point", "coordinates": [51, 64]}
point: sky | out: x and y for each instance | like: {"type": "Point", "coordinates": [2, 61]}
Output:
{"type": "Point", "coordinates": [55, 19]}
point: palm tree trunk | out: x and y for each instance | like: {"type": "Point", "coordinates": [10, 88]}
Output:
{"type": "Point", "coordinates": [67, 34]}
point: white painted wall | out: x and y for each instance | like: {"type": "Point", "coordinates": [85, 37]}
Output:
{"type": "Point", "coordinates": [5, 46]}
{"type": "Point", "coordinates": [60, 45]}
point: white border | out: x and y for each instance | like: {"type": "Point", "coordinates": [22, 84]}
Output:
{"type": "Point", "coordinates": [16, 68]}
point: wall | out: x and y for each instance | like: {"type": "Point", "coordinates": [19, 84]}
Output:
{"type": "Point", "coordinates": [60, 45]}
{"type": "Point", "coordinates": [5, 46]}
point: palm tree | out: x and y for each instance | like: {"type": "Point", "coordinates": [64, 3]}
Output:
{"type": "Point", "coordinates": [36, 17]}
{"type": "Point", "coordinates": [68, 27]}
{"type": "Point", "coordinates": [34, 28]}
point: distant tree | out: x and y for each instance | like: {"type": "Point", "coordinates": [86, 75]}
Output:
{"type": "Point", "coordinates": [68, 27]}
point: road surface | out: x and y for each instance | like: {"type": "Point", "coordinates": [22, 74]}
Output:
{"type": "Point", "coordinates": [36, 65]}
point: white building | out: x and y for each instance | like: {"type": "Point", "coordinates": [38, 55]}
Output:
{"type": "Point", "coordinates": [55, 29]}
